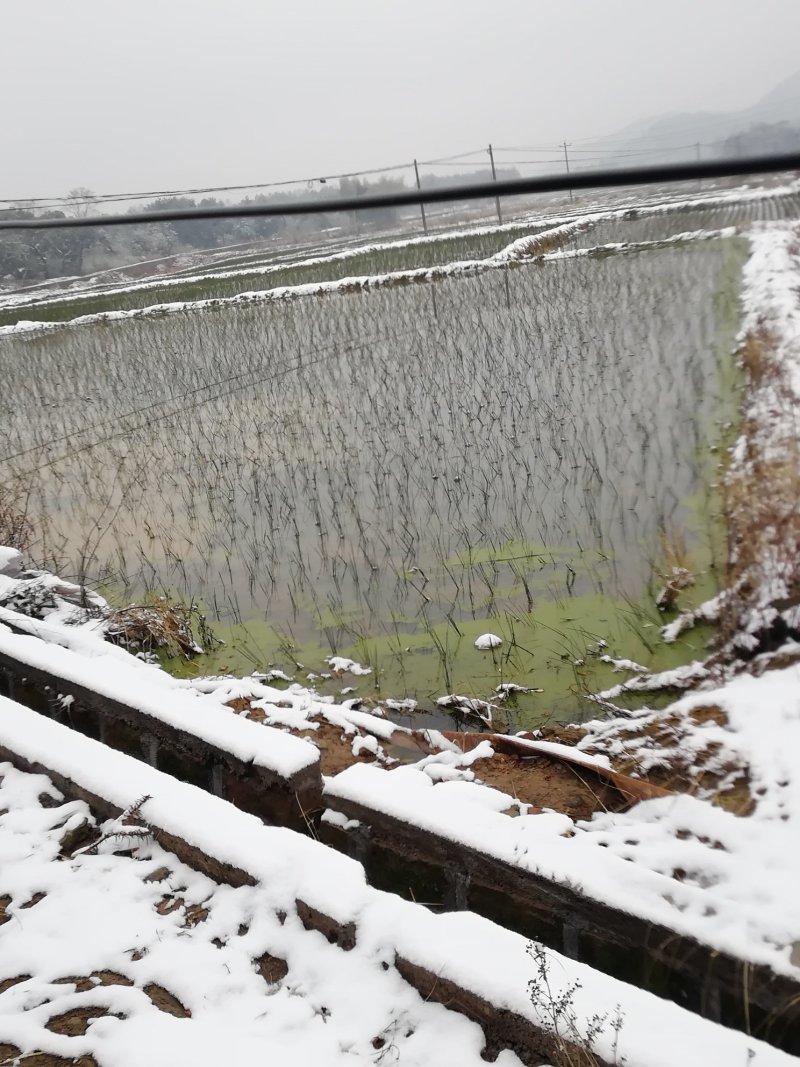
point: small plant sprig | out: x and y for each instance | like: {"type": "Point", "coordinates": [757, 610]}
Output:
{"type": "Point", "coordinates": [572, 1041]}
{"type": "Point", "coordinates": [130, 828]}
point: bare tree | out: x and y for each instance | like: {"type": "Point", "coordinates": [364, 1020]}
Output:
{"type": "Point", "coordinates": [81, 201]}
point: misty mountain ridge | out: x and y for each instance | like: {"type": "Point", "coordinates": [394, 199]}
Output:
{"type": "Point", "coordinates": [680, 129]}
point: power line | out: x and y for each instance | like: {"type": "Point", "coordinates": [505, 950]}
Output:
{"type": "Point", "coordinates": [463, 162]}
{"type": "Point", "coordinates": [323, 179]}
{"type": "Point", "coordinates": [587, 156]}
{"type": "Point", "coordinates": [682, 131]}
{"type": "Point", "coordinates": [599, 152]}
{"type": "Point", "coordinates": [461, 158]}
{"type": "Point", "coordinates": [623, 149]}
{"type": "Point", "coordinates": [589, 179]}
{"type": "Point", "coordinates": [108, 198]}
{"type": "Point", "coordinates": [448, 159]}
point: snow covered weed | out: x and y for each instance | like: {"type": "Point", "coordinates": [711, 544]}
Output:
{"type": "Point", "coordinates": [16, 530]}
{"type": "Point", "coordinates": [573, 1038]}
{"type": "Point", "coordinates": [762, 502]}
{"type": "Point", "coordinates": [129, 830]}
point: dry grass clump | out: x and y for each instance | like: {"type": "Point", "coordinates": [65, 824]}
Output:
{"type": "Point", "coordinates": [676, 574]}
{"type": "Point", "coordinates": [674, 550]}
{"type": "Point", "coordinates": [15, 529]}
{"type": "Point", "coordinates": [758, 611]}
{"type": "Point", "coordinates": [757, 357]}
{"type": "Point", "coordinates": [762, 505]}
{"type": "Point", "coordinates": [548, 243]}
{"type": "Point", "coordinates": [551, 241]}
{"type": "Point", "coordinates": [161, 625]}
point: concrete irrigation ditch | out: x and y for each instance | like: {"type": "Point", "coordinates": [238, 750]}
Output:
{"type": "Point", "coordinates": [401, 857]}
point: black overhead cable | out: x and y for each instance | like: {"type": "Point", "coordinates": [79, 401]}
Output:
{"type": "Point", "coordinates": [51, 202]}
{"type": "Point", "coordinates": [584, 179]}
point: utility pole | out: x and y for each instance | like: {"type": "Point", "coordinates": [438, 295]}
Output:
{"type": "Point", "coordinates": [494, 179]}
{"type": "Point", "coordinates": [421, 206]}
{"type": "Point", "coordinates": [566, 164]}
{"type": "Point", "coordinates": [698, 154]}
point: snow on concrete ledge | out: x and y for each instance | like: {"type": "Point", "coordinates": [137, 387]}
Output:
{"type": "Point", "coordinates": [587, 858]}
{"type": "Point", "coordinates": [474, 954]}
{"type": "Point", "coordinates": [238, 839]}
{"type": "Point", "coordinates": [149, 690]}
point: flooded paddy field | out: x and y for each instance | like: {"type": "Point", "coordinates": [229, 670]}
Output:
{"type": "Point", "coordinates": [219, 282]}
{"type": "Point", "coordinates": [388, 473]}
{"type": "Point", "coordinates": [658, 225]}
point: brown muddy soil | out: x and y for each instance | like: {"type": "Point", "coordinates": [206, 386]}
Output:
{"type": "Point", "coordinates": [165, 1001]}
{"type": "Point", "coordinates": [547, 783]}
{"type": "Point", "coordinates": [10, 1055]}
{"type": "Point", "coordinates": [335, 746]}
{"type": "Point", "coordinates": [74, 1023]}
{"type": "Point", "coordinates": [709, 773]}
{"type": "Point", "coordinates": [535, 779]}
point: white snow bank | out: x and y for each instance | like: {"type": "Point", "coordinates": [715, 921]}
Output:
{"type": "Point", "coordinates": [98, 913]}
{"type": "Point", "coordinates": [766, 447]}
{"type": "Point", "coordinates": [772, 303]}
{"type": "Point", "coordinates": [295, 708]}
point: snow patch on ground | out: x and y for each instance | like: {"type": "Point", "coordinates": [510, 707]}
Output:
{"type": "Point", "coordinates": [343, 665]}
{"type": "Point", "coordinates": [728, 881]}
{"type": "Point", "coordinates": [488, 641]}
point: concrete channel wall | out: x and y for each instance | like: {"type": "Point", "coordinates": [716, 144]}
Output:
{"type": "Point", "coordinates": [277, 798]}
{"type": "Point", "coordinates": [423, 866]}
{"type": "Point", "coordinates": [252, 855]}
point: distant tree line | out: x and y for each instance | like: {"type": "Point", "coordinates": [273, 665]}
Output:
{"type": "Point", "coordinates": [765, 138]}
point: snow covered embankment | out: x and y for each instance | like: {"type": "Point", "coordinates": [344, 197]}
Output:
{"type": "Point", "coordinates": [116, 936]}
{"type": "Point", "coordinates": [759, 611]}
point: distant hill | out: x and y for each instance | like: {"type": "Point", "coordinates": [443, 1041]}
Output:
{"type": "Point", "coordinates": [674, 136]}
{"type": "Point", "coordinates": [782, 104]}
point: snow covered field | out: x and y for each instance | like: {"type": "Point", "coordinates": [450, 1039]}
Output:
{"type": "Point", "coordinates": [722, 875]}
{"type": "Point", "coordinates": [711, 855]}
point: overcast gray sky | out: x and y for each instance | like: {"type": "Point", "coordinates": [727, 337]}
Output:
{"type": "Point", "coordinates": [176, 93]}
